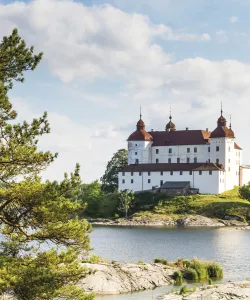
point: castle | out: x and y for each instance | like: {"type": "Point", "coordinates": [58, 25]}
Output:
{"type": "Point", "coordinates": [211, 162]}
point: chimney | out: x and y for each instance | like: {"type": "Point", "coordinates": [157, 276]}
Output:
{"type": "Point", "coordinates": [186, 128]}
{"type": "Point", "coordinates": [206, 129]}
{"type": "Point", "coordinates": [152, 129]}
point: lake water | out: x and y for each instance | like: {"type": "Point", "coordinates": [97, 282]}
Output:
{"type": "Point", "coordinates": [227, 246]}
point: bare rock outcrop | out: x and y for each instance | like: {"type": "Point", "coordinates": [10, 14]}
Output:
{"type": "Point", "coordinates": [125, 278]}
{"type": "Point", "coordinates": [226, 291]}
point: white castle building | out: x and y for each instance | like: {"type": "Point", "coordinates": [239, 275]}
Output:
{"type": "Point", "coordinates": [210, 161]}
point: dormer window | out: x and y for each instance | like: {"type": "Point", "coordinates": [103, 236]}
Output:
{"type": "Point", "coordinates": [170, 150]}
{"type": "Point", "coordinates": [217, 148]}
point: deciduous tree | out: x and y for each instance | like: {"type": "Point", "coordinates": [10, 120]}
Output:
{"type": "Point", "coordinates": [114, 166]}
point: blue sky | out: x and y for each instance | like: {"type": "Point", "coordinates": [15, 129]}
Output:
{"type": "Point", "coordinates": [103, 59]}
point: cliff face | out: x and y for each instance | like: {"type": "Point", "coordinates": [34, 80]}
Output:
{"type": "Point", "coordinates": [125, 278]}
{"type": "Point", "coordinates": [226, 291]}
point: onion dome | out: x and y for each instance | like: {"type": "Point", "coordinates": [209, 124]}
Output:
{"type": "Point", "coordinates": [222, 130]}
{"type": "Point", "coordinates": [170, 126]}
{"type": "Point", "coordinates": [140, 134]}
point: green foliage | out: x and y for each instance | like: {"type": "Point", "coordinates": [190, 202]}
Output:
{"type": "Point", "coordinates": [114, 166]}
{"type": "Point", "coordinates": [94, 259]}
{"type": "Point", "coordinates": [33, 213]}
{"type": "Point", "coordinates": [160, 261]}
{"type": "Point", "coordinates": [160, 206]}
{"type": "Point", "coordinates": [199, 270]}
{"type": "Point", "coordinates": [184, 289]}
{"type": "Point", "coordinates": [214, 270]}
{"type": "Point", "coordinates": [178, 278]}
{"type": "Point", "coordinates": [191, 274]}
{"type": "Point", "coordinates": [141, 262]}
{"type": "Point", "coordinates": [126, 199]}
{"type": "Point", "coordinates": [244, 191]}
{"type": "Point", "coordinates": [210, 281]}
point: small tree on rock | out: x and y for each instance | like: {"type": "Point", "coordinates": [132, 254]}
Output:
{"type": "Point", "coordinates": [126, 201]}
{"type": "Point", "coordinates": [244, 191]}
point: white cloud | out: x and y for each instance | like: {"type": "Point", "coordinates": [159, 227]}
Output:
{"type": "Point", "coordinates": [233, 19]}
{"type": "Point", "coordinates": [92, 42]}
{"type": "Point", "coordinates": [85, 43]}
{"type": "Point", "coordinates": [75, 142]}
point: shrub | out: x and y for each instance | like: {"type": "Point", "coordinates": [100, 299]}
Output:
{"type": "Point", "coordinates": [200, 268]}
{"type": "Point", "coordinates": [210, 281]}
{"type": "Point", "coordinates": [184, 290]}
{"type": "Point", "coordinates": [191, 274]}
{"type": "Point", "coordinates": [160, 261]}
{"type": "Point", "coordinates": [214, 271]}
{"type": "Point", "coordinates": [177, 276]}
{"type": "Point", "coordinates": [141, 262]}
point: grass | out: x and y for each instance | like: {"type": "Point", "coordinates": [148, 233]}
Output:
{"type": "Point", "coordinates": [194, 270]}
{"type": "Point", "coordinates": [213, 206]}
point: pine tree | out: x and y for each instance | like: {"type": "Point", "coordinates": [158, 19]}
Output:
{"type": "Point", "coordinates": [32, 213]}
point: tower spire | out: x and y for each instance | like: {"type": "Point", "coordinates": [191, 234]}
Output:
{"type": "Point", "coordinates": [140, 112]}
{"type": "Point", "coordinates": [230, 125]}
{"type": "Point", "coordinates": [170, 116]}
{"type": "Point", "coordinates": [221, 111]}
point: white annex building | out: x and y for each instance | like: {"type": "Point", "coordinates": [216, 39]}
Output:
{"type": "Point", "coordinates": [210, 161]}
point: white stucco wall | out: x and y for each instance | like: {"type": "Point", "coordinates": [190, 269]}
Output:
{"type": "Point", "coordinates": [245, 175]}
{"type": "Point", "coordinates": [140, 150]}
{"type": "Point", "coordinates": [207, 184]}
{"type": "Point", "coordinates": [181, 152]}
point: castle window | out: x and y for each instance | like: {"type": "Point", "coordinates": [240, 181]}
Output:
{"type": "Point", "coordinates": [161, 173]}
{"type": "Point", "coordinates": [123, 180]}
{"type": "Point", "coordinates": [137, 161]}
{"type": "Point", "coordinates": [135, 144]}
{"type": "Point", "coordinates": [209, 160]}
{"type": "Point", "coordinates": [178, 160]}
{"type": "Point", "coordinates": [208, 149]}
{"type": "Point", "coordinates": [170, 150]}
{"type": "Point", "coordinates": [195, 160]}
{"type": "Point", "coordinates": [188, 150]}
{"type": "Point", "coordinates": [229, 149]}
{"type": "Point", "coordinates": [139, 173]}
{"type": "Point", "coordinates": [188, 160]}
{"type": "Point", "coordinates": [169, 160]}
{"type": "Point", "coordinates": [217, 160]}
{"type": "Point", "coordinates": [210, 172]}
{"type": "Point", "coordinates": [123, 173]}
{"type": "Point", "coordinates": [135, 153]}
{"type": "Point", "coordinates": [171, 173]}
{"type": "Point", "coordinates": [157, 151]}
{"type": "Point", "coordinates": [157, 161]}
{"type": "Point", "coordinates": [132, 173]}
{"type": "Point", "coordinates": [161, 183]}
{"type": "Point", "coordinates": [200, 172]}
{"type": "Point", "coordinates": [229, 160]}
{"type": "Point", "coordinates": [149, 180]}
{"type": "Point", "coordinates": [228, 169]}
{"type": "Point", "coordinates": [132, 180]}
{"type": "Point", "coordinates": [195, 150]}
{"type": "Point", "coordinates": [190, 172]}
{"type": "Point", "coordinates": [149, 173]}
{"type": "Point", "coordinates": [217, 148]}
{"type": "Point", "coordinates": [181, 172]}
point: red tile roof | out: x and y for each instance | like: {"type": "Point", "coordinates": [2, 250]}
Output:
{"type": "Point", "coordinates": [236, 146]}
{"type": "Point", "coordinates": [173, 167]}
{"type": "Point", "coordinates": [180, 137]}
{"type": "Point", "coordinates": [140, 135]}
{"type": "Point", "coordinates": [222, 131]}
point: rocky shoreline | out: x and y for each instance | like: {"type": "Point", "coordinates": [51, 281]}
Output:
{"type": "Point", "coordinates": [184, 221]}
{"type": "Point", "coordinates": [110, 279]}
{"type": "Point", "coordinates": [225, 291]}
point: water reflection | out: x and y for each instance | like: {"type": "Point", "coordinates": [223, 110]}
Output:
{"type": "Point", "coordinates": [227, 246]}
